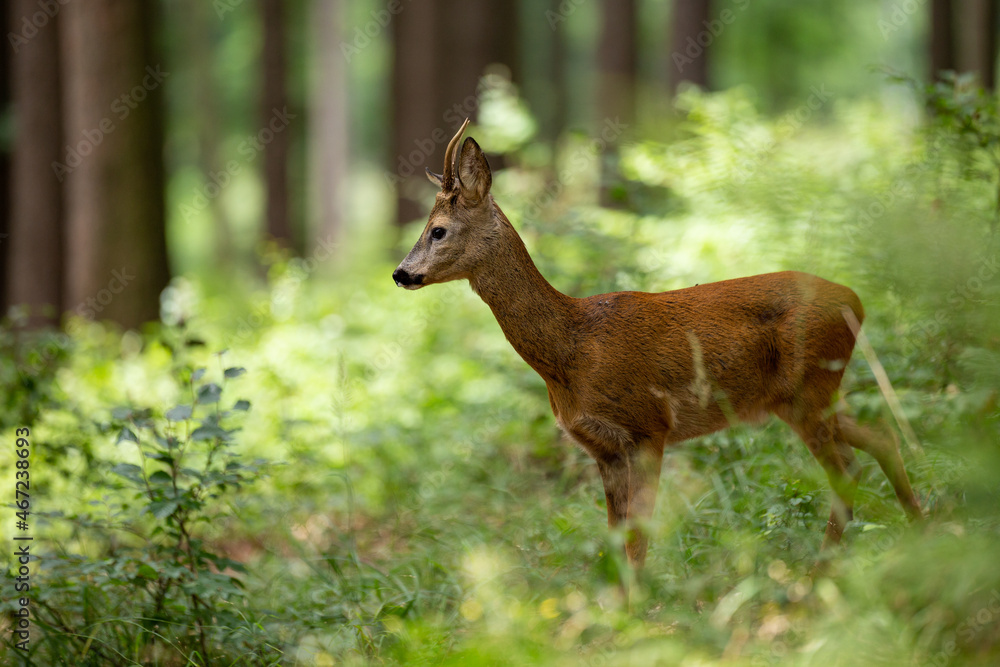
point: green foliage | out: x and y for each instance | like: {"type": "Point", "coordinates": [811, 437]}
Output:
{"type": "Point", "coordinates": [151, 590]}
{"type": "Point", "coordinates": [28, 363]}
{"type": "Point", "coordinates": [429, 512]}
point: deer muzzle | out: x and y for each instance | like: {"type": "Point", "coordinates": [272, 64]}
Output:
{"type": "Point", "coordinates": [404, 279]}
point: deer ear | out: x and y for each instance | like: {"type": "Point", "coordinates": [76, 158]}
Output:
{"type": "Point", "coordinates": [474, 175]}
{"type": "Point", "coordinates": [436, 179]}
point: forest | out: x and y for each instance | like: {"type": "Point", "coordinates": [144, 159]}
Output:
{"type": "Point", "coordinates": [228, 437]}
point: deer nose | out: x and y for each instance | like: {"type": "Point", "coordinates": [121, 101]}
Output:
{"type": "Point", "coordinates": [403, 278]}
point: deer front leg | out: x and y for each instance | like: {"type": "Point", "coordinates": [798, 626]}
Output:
{"type": "Point", "coordinates": [630, 484]}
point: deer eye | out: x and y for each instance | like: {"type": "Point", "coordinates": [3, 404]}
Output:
{"type": "Point", "coordinates": [438, 233]}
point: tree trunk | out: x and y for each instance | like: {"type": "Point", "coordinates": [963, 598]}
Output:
{"type": "Point", "coordinates": [415, 109]}
{"type": "Point", "coordinates": [977, 50]}
{"type": "Point", "coordinates": [942, 43]}
{"type": "Point", "coordinates": [34, 240]}
{"type": "Point", "coordinates": [543, 85]}
{"type": "Point", "coordinates": [116, 259]}
{"type": "Point", "coordinates": [329, 144]}
{"type": "Point", "coordinates": [442, 50]}
{"type": "Point", "coordinates": [617, 61]}
{"type": "Point", "coordinates": [617, 64]}
{"type": "Point", "coordinates": [204, 111]}
{"type": "Point", "coordinates": [273, 100]}
{"type": "Point", "coordinates": [689, 57]}
{"type": "Point", "coordinates": [477, 34]}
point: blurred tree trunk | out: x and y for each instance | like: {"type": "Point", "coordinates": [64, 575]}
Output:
{"type": "Point", "coordinates": [329, 144]}
{"type": "Point", "coordinates": [964, 39]}
{"type": "Point", "coordinates": [543, 85]}
{"type": "Point", "coordinates": [558, 117]}
{"type": "Point", "coordinates": [689, 50]}
{"type": "Point", "coordinates": [16, 74]}
{"type": "Point", "coordinates": [205, 113]}
{"type": "Point", "coordinates": [942, 42]}
{"type": "Point", "coordinates": [555, 86]}
{"type": "Point", "coordinates": [617, 60]}
{"type": "Point", "coordinates": [478, 34]}
{"type": "Point", "coordinates": [977, 49]}
{"type": "Point", "coordinates": [617, 64]}
{"type": "Point", "coordinates": [116, 256]}
{"type": "Point", "coordinates": [415, 109]}
{"type": "Point", "coordinates": [441, 50]}
{"type": "Point", "coordinates": [273, 101]}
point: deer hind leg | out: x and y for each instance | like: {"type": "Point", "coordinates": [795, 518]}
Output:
{"type": "Point", "coordinates": [828, 444]}
{"type": "Point", "coordinates": [630, 483]}
{"type": "Point", "coordinates": [885, 450]}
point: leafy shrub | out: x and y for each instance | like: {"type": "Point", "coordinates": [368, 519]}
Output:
{"type": "Point", "coordinates": [152, 590]}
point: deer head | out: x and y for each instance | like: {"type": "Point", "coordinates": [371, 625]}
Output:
{"type": "Point", "coordinates": [462, 224]}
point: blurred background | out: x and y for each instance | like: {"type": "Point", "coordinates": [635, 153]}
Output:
{"type": "Point", "coordinates": [250, 447]}
{"type": "Point", "coordinates": [183, 137]}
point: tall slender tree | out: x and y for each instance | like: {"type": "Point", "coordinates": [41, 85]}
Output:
{"type": "Point", "coordinates": [116, 258]}
{"type": "Point", "coordinates": [942, 43]}
{"type": "Point", "coordinates": [273, 99]}
{"type": "Point", "coordinates": [35, 237]}
{"type": "Point", "coordinates": [617, 64]}
{"type": "Point", "coordinates": [963, 38]}
{"type": "Point", "coordinates": [415, 112]}
{"type": "Point", "coordinates": [328, 122]}
{"type": "Point", "coordinates": [204, 111]}
{"type": "Point", "coordinates": [441, 51]}
{"type": "Point", "coordinates": [690, 53]}
{"type": "Point", "coordinates": [977, 49]}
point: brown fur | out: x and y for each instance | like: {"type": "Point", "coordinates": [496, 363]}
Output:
{"type": "Point", "coordinates": [630, 372]}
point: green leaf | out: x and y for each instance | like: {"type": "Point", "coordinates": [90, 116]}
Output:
{"type": "Point", "coordinates": [168, 442]}
{"type": "Point", "coordinates": [121, 413]}
{"type": "Point", "coordinates": [209, 393]}
{"type": "Point", "coordinates": [242, 405]}
{"type": "Point", "coordinates": [234, 372]}
{"type": "Point", "coordinates": [160, 477]}
{"type": "Point", "coordinates": [147, 571]}
{"type": "Point", "coordinates": [179, 413]}
{"type": "Point", "coordinates": [126, 434]}
{"type": "Point", "coordinates": [129, 471]}
{"type": "Point", "coordinates": [161, 509]}
{"type": "Point", "coordinates": [208, 432]}
{"type": "Point", "coordinates": [198, 374]}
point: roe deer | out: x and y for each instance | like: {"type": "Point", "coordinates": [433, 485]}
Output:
{"type": "Point", "coordinates": [630, 372]}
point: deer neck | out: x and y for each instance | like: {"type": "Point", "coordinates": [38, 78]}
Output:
{"type": "Point", "coordinates": [536, 318]}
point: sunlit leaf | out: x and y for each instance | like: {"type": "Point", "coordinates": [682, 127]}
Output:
{"type": "Point", "coordinates": [209, 393]}
{"type": "Point", "coordinates": [178, 413]}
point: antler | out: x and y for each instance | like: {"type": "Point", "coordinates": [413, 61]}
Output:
{"type": "Point", "coordinates": [448, 177]}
